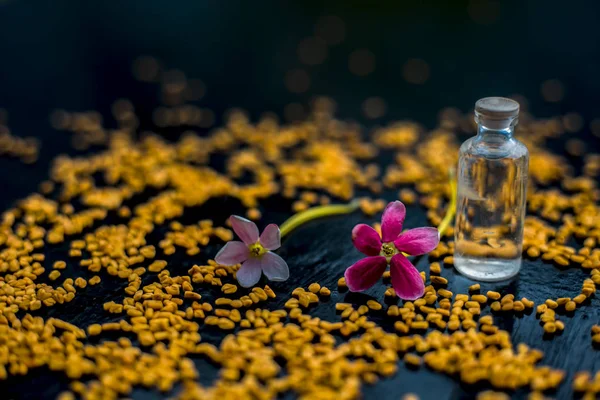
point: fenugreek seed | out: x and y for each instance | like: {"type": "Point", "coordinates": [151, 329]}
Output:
{"type": "Point", "coordinates": [507, 306]}
{"type": "Point", "coordinates": [59, 265]}
{"type": "Point", "coordinates": [94, 280]}
{"type": "Point", "coordinates": [509, 298]}
{"type": "Point", "coordinates": [472, 304]}
{"type": "Point", "coordinates": [325, 291]}
{"type": "Point", "coordinates": [581, 381]}
{"type": "Point", "coordinates": [527, 303]}
{"type": "Point", "coordinates": [449, 260]}
{"type": "Point", "coordinates": [419, 325]}
{"type": "Point", "coordinates": [314, 287]}
{"type": "Point", "coordinates": [479, 298]}
{"type": "Point", "coordinates": [363, 309]}
{"type": "Point", "coordinates": [444, 293]}
{"type": "Point", "coordinates": [549, 327]}
{"type": "Point", "coordinates": [596, 338]}
{"type": "Point", "coordinates": [54, 275]}
{"type": "Point", "coordinates": [493, 295]}
{"type": "Point", "coordinates": [94, 329]}
{"type": "Point", "coordinates": [342, 283]}
{"type": "Point", "coordinates": [438, 280]}
{"type": "Point", "coordinates": [570, 306]}
{"type": "Point", "coordinates": [412, 360]}
{"type": "Point", "coordinates": [228, 288]}
{"type": "Point", "coordinates": [435, 268]}
{"type": "Point", "coordinates": [580, 298]}
{"type": "Point", "coordinates": [474, 288]}
{"type": "Point", "coordinates": [560, 260]}
{"type": "Point", "coordinates": [226, 324]}
{"type": "Point", "coordinates": [374, 305]}
{"type": "Point", "coordinates": [518, 306]}
{"type": "Point", "coordinates": [562, 301]}
{"type": "Point", "coordinates": [551, 303]}
{"type": "Point", "coordinates": [454, 324]}
{"type": "Point", "coordinates": [560, 326]}
{"type": "Point", "coordinates": [80, 283]}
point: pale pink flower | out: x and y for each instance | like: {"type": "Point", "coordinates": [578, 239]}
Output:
{"type": "Point", "coordinates": [254, 253]}
{"type": "Point", "coordinates": [387, 250]}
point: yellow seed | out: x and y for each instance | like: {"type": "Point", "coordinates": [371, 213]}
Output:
{"type": "Point", "coordinates": [228, 288]}
{"type": "Point", "coordinates": [59, 265]}
{"type": "Point", "coordinates": [94, 280]}
{"type": "Point", "coordinates": [496, 306]}
{"type": "Point", "coordinates": [562, 301]}
{"type": "Point", "coordinates": [551, 303]}
{"type": "Point", "coordinates": [479, 298]}
{"type": "Point", "coordinates": [580, 298]}
{"type": "Point", "coordinates": [549, 327]}
{"type": "Point", "coordinates": [438, 280]}
{"type": "Point", "coordinates": [94, 329]}
{"type": "Point", "coordinates": [226, 324]}
{"type": "Point", "coordinates": [342, 283]}
{"type": "Point", "coordinates": [54, 275]}
{"type": "Point", "coordinates": [412, 360]}
{"type": "Point", "coordinates": [419, 325]}
{"type": "Point", "coordinates": [570, 306]}
{"type": "Point", "coordinates": [518, 306]}
{"type": "Point", "coordinates": [373, 305]}
{"type": "Point", "coordinates": [528, 303]}
{"type": "Point", "coordinates": [324, 291]}
{"type": "Point", "coordinates": [314, 287]}
{"type": "Point", "coordinates": [474, 288]}
{"type": "Point", "coordinates": [342, 306]}
{"type": "Point", "coordinates": [493, 295]}
{"type": "Point", "coordinates": [435, 268]}
{"type": "Point", "coordinates": [445, 293]}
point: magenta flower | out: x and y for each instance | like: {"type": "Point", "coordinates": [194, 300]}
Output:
{"type": "Point", "coordinates": [254, 253]}
{"type": "Point", "coordinates": [387, 250]}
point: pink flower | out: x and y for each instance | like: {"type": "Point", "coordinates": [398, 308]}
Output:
{"type": "Point", "coordinates": [254, 252]}
{"type": "Point", "coordinates": [387, 250]}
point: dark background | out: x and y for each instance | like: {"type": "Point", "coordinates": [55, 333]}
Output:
{"type": "Point", "coordinates": [78, 55]}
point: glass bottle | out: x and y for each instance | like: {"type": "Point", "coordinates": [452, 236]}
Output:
{"type": "Point", "coordinates": [492, 190]}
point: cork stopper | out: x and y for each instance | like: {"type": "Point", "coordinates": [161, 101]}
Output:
{"type": "Point", "coordinates": [496, 112]}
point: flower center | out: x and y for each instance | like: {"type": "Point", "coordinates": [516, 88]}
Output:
{"type": "Point", "coordinates": [388, 250]}
{"type": "Point", "coordinates": [256, 250]}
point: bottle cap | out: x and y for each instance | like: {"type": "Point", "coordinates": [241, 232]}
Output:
{"type": "Point", "coordinates": [496, 112]}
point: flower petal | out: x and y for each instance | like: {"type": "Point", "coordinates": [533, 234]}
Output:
{"type": "Point", "coordinates": [245, 229]}
{"type": "Point", "coordinates": [274, 267]}
{"type": "Point", "coordinates": [271, 237]}
{"type": "Point", "coordinates": [366, 240]}
{"type": "Point", "coordinates": [392, 220]}
{"type": "Point", "coordinates": [232, 253]}
{"type": "Point", "coordinates": [406, 280]}
{"type": "Point", "coordinates": [418, 241]}
{"type": "Point", "coordinates": [365, 273]}
{"type": "Point", "coordinates": [249, 274]}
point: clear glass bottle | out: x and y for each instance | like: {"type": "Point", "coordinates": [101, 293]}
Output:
{"type": "Point", "coordinates": [492, 190]}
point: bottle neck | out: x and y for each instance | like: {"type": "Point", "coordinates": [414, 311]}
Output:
{"type": "Point", "coordinates": [502, 133]}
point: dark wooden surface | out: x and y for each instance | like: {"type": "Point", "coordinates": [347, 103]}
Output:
{"type": "Point", "coordinates": [77, 55]}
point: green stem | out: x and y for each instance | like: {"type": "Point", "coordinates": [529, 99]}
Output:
{"type": "Point", "coordinates": [451, 207]}
{"type": "Point", "coordinates": [316, 212]}
{"type": "Point", "coordinates": [337, 209]}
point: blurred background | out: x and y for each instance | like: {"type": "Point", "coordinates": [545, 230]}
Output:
{"type": "Point", "coordinates": [379, 61]}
